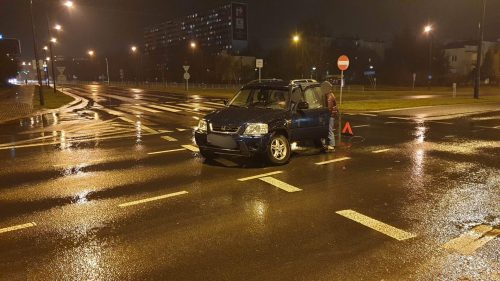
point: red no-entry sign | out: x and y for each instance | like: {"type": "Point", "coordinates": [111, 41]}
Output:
{"type": "Point", "coordinates": [343, 63]}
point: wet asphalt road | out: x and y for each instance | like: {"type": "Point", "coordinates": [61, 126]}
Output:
{"type": "Point", "coordinates": [111, 192]}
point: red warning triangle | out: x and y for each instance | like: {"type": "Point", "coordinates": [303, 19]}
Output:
{"type": "Point", "coordinates": [347, 129]}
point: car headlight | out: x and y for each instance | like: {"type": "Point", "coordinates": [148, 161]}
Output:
{"type": "Point", "coordinates": [203, 126]}
{"type": "Point", "coordinates": [256, 129]}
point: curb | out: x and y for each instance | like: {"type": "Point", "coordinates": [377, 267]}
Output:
{"type": "Point", "coordinates": [77, 103]}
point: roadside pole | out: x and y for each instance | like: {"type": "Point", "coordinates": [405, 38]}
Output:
{"type": "Point", "coordinates": [343, 65]}
{"type": "Point", "coordinates": [37, 62]}
{"type": "Point", "coordinates": [51, 50]}
{"type": "Point", "coordinates": [107, 69]}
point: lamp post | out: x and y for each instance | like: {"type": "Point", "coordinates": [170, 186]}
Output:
{"type": "Point", "coordinates": [296, 41]}
{"type": "Point", "coordinates": [35, 49]}
{"type": "Point", "coordinates": [428, 31]}
{"type": "Point", "coordinates": [477, 78]}
{"type": "Point", "coordinates": [135, 52]}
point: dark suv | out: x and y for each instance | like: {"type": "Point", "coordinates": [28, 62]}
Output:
{"type": "Point", "coordinates": [264, 118]}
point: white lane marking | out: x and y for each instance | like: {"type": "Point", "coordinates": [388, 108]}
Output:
{"type": "Point", "coordinates": [497, 127]}
{"type": "Point", "coordinates": [147, 200]}
{"type": "Point", "coordinates": [401, 118]}
{"type": "Point", "coordinates": [196, 106]}
{"type": "Point", "coordinates": [333, 161]}
{"type": "Point", "coordinates": [379, 226]}
{"type": "Point", "coordinates": [164, 108]}
{"type": "Point", "coordinates": [279, 184]}
{"type": "Point", "coordinates": [185, 109]}
{"type": "Point", "coordinates": [166, 151]}
{"type": "Point", "coordinates": [440, 122]}
{"type": "Point", "coordinates": [472, 240]}
{"type": "Point", "coordinates": [260, 176]}
{"type": "Point", "coordinates": [225, 162]}
{"type": "Point", "coordinates": [143, 127]}
{"type": "Point", "coordinates": [165, 131]}
{"type": "Point", "coordinates": [145, 108]}
{"type": "Point", "coordinates": [17, 227]}
{"type": "Point", "coordinates": [181, 130]}
{"type": "Point", "coordinates": [214, 103]}
{"type": "Point", "coordinates": [486, 127]}
{"type": "Point", "coordinates": [367, 114]}
{"type": "Point", "coordinates": [191, 147]}
{"type": "Point", "coordinates": [361, 126]}
{"type": "Point", "coordinates": [168, 138]}
{"type": "Point", "coordinates": [381, 150]}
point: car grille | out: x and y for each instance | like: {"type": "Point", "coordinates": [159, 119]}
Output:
{"type": "Point", "coordinates": [226, 129]}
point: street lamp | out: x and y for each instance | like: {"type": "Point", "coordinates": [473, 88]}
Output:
{"type": "Point", "coordinates": [45, 48]}
{"type": "Point", "coordinates": [68, 4]}
{"type": "Point", "coordinates": [91, 53]}
{"type": "Point", "coordinates": [296, 39]}
{"type": "Point", "coordinates": [133, 49]}
{"type": "Point", "coordinates": [428, 29]}
{"type": "Point", "coordinates": [58, 27]}
{"type": "Point", "coordinates": [53, 40]}
{"type": "Point", "coordinates": [193, 45]}
{"type": "Point", "coordinates": [477, 79]}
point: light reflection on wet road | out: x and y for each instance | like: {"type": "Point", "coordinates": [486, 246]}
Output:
{"type": "Point", "coordinates": [69, 172]}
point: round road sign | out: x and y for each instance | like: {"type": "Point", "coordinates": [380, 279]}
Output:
{"type": "Point", "coordinates": [343, 63]}
{"type": "Point", "coordinates": [186, 76]}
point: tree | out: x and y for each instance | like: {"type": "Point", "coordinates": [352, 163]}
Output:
{"type": "Point", "coordinates": [8, 69]}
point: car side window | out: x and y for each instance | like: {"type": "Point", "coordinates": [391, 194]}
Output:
{"type": "Point", "coordinates": [314, 98]}
{"type": "Point", "coordinates": [296, 97]}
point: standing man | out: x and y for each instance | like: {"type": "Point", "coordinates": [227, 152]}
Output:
{"type": "Point", "coordinates": [327, 89]}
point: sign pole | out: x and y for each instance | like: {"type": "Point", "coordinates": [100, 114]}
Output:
{"type": "Point", "coordinates": [340, 104]}
{"type": "Point", "coordinates": [259, 74]}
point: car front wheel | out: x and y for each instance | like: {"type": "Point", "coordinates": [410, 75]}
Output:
{"type": "Point", "coordinates": [279, 151]}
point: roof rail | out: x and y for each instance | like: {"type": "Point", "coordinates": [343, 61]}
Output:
{"type": "Point", "coordinates": [264, 80]}
{"type": "Point", "coordinates": [299, 81]}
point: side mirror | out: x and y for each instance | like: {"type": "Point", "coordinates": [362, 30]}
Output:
{"type": "Point", "coordinates": [303, 105]}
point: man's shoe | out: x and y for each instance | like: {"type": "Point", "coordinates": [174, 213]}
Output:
{"type": "Point", "coordinates": [330, 148]}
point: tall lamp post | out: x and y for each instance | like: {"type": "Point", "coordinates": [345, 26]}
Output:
{"type": "Point", "coordinates": [37, 62]}
{"type": "Point", "coordinates": [428, 31]}
{"type": "Point", "coordinates": [477, 80]}
{"type": "Point", "coordinates": [296, 41]}
{"type": "Point", "coordinates": [135, 52]}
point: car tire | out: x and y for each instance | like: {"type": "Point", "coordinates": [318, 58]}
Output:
{"type": "Point", "coordinates": [279, 150]}
{"type": "Point", "coordinates": [207, 155]}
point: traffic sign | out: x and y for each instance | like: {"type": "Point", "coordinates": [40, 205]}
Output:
{"type": "Point", "coordinates": [187, 76]}
{"type": "Point", "coordinates": [186, 67]}
{"type": "Point", "coordinates": [343, 63]}
{"type": "Point", "coordinates": [259, 63]}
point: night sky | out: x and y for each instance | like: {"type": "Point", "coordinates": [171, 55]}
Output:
{"type": "Point", "coordinates": [110, 26]}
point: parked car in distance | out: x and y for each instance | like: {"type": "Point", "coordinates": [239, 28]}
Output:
{"type": "Point", "coordinates": [264, 118]}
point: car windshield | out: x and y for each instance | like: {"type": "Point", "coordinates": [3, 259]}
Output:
{"type": "Point", "coordinates": [262, 98]}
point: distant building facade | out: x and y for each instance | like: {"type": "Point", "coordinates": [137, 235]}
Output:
{"type": "Point", "coordinates": [222, 30]}
{"type": "Point", "coordinates": [462, 56]}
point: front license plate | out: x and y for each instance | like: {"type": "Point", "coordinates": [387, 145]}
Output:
{"type": "Point", "coordinates": [222, 141]}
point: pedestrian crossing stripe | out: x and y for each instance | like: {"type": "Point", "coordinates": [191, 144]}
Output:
{"type": "Point", "coordinates": [472, 240]}
{"type": "Point", "coordinates": [164, 108]}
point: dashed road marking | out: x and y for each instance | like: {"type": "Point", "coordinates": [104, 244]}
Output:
{"type": "Point", "coordinates": [361, 126]}
{"type": "Point", "coordinates": [368, 114]}
{"type": "Point", "coordinates": [168, 138]}
{"type": "Point", "coordinates": [381, 150]}
{"type": "Point", "coordinates": [191, 147]}
{"type": "Point", "coordinates": [260, 176]}
{"type": "Point", "coordinates": [164, 108]}
{"type": "Point", "coordinates": [379, 226]}
{"type": "Point", "coordinates": [167, 151]}
{"type": "Point", "coordinates": [333, 161]}
{"type": "Point", "coordinates": [147, 200]}
{"type": "Point", "coordinates": [214, 103]}
{"type": "Point", "coordinates": [441, 122]}
{"type": "Point", "coordinates": [17, 227]}
{"type": "Point", "coordinates": [281, 185]}
{"type": "Point", "coordinates": [145, 108]}
{"type": "Point", "coordinates": [472, 240]}
{"type": "Point", "coordinates": [143, 127]}
{"type": "Point", "coordinates": [181, 130]}
{"type": "Point", "coordinates": [197, 107]}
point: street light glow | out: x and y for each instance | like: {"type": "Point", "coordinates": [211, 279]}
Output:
{"type": "Point", "coordinates": [91, 53]}
{"type": "Point", "coordinates": [428, 29]}
{"type": "Point", "coordinates": [58, 27]}
{"type": "Point", "coordinates": [296, 39]}
{"type": "Point", "coordinates": [193, 45]}
{"type": "Point", "coordinates": [45, 48]}
{"type": "Point", "coordinates": [68, 4]}
{"type": "Point", "coordinates": [133, 49]}
{"type": "Point", "coordinates": [53, 40]}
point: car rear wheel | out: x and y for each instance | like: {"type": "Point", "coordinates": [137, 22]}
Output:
{"type": "Point", "coordinates": [278, 151]}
